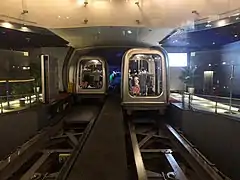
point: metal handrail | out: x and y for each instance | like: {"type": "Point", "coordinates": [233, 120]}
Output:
{"type": "Point", "coordinates": [7, 102]}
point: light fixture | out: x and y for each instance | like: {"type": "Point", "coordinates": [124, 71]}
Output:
{"type": "Point", "coordinates": [221, 23]}
{"type": "Point", "coordinates": [208, 25]}
{"type": "Point", "coordinates": [129, 32]}
{"type": "Point", "coordinates": [59, 16]}
{"type": "Point", "coordinates": [85, 3]}
{"type": "Point", "coordinates": [7, 25]}
{"type": "Point", "coordinates": [236, 14]}
{"type": "Point", "coordinates": [209, 65]}
{"type": "Point", "coordinates": [213, 43]}
{"type": "Point", "coordinates": [237, 18]}
{"type": "Point", "coordinates": [24, 28]}
{"type": "Point", "coordinates": [223, 63]}
{"type": "Point", "coordinates": [208, 21]}
{"type": "Point", "coordinates": [67, 17]}
{"type": "Point", "coordinates": [25, 67]}
{"type": "Point", "coordinates": [235, 35]}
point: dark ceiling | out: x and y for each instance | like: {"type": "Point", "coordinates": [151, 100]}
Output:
{"type": "Point", "coordinates": [35, 37]}
{"type": "Point", "coordinates": [204, 38]}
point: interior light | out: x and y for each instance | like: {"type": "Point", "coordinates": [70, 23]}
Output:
{"type": "Point", "coordinates": [213, 43]}
{"type": "Point", "coordinates": [209, 65]}
{"type": "Point", "coordinates": [7, 25]}
{"type": "Point", "coordinates": [223, 63]}
{"type": "Point", "coordinates": [235, 35]}
{"type": "Point", "coordinates": [236, 14]}
{"type": "Point", "coordinates": [237, 18]}
{"type": "Point", "coordinates": [67, 17]}
{"type": "Point", "coordinates": [129, 32]}
{"type": "Point", "coordinates": [94, 61]}
{"type": "Point", "coordinates": [59, 16]}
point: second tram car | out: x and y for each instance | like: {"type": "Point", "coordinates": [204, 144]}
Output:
{"type": "Point", "coordinates": [145, 80]}
{"type": "Point", "coordinates": [90, 77]}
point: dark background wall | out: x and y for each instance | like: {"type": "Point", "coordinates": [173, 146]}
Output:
{"type": "Point", "coordinates": [12, 63]}
{"type": "Point", "coordinates": [220, 62]}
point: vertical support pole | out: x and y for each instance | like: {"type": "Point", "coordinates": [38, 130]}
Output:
{"type": "Point", "coordinates": [30, 100]}
{"type": "Point", "coordinates": [7, 94]}
{"type": "Point", "coordinates": [189, 101]}
{"type": "Point", "coordinates": [216, 107]}
{"type": "Point", "coordinates": [231, 84]}
{"type": "Point", "coordinates": [1, 105]}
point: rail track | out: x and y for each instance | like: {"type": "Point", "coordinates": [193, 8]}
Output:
{"type": "Point", "coordinates": [50, 154]}
{"type": "Point", "coordinates": [158, 152]}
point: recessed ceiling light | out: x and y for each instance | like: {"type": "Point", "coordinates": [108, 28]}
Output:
{"type": "Point", "coordinates": [235, 35]}
{"type": "Point", "coordinates": [129, 32]}
{"type": "Point", "coordinates": [67, 17]}
{"type": "Point", "coordinates": [221, 23]}
{"type": "Point", "coordinates": [7, 25]}
{"type": "Point", "coordinates": [59, 16]}
{"type": "Point", "coordinates": [213, 43]}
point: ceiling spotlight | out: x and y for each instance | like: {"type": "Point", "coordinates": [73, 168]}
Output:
{"type": "Point", "coordinates": [209, 65]}
{"type": "Point", "coordinates": [213, 43]}
{"type": "Point", "coordinates": [235, 35]}
{"type": "Point", "coordinates": [85, 21]}
{"type": "Point", "coordinates": [67, 17]}
{"type": "Point", "coordinates": [85, 3]}
{"type": "Point", "coordinates": [129, 32]}
{"type": "Point", "coordinates": [59, 16]}
{"type": "Point", "coordinates": [7, 25]}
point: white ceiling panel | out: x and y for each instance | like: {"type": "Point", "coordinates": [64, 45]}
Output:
{"type": "Point", "coordinates": [150, 13]}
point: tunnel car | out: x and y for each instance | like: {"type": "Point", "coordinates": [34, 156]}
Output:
{"type": "Point", "coordinates": [89, 77]}
{"type": "Point", "coordinates": [145, 80]}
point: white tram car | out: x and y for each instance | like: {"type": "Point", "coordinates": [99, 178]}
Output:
{"type": "Point", "coordinates": [145, 80]}
{"type": "Point", "coordinates": [89, 77]}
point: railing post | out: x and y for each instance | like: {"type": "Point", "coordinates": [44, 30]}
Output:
{"type": "Point", "coordinates": [30, 100]}
{"type": "Point", "coordinates": [216, 107]}
{"type": "Point", "coordinates": [189, 101]}
{"type": "Point", "coordinates": [1, 105]}
{"type": "Point", "coordinates": [183, 104]}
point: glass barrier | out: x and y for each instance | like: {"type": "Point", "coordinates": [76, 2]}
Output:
{"type": "Point", "coordinates": [12, 103]}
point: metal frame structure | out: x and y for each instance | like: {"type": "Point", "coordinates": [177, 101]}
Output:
{"type": "Point", "coordinates": [51, 153]}
{"type": "Point", "coordinates": [167, 154]}
{"type": "Point", "coordinates": [148, 102]}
